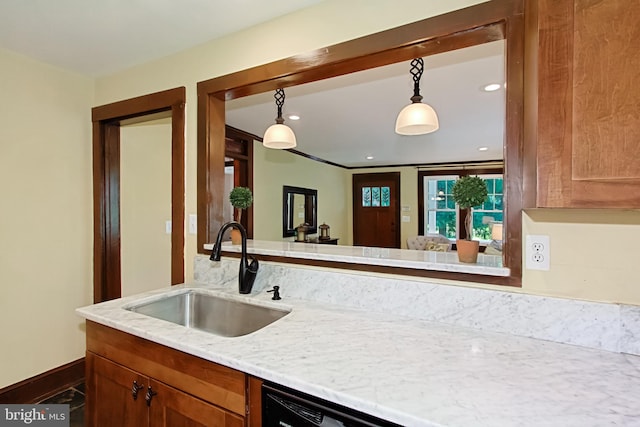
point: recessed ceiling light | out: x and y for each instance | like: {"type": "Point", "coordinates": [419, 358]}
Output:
{"type": "Point", "coordinates": [483, 148]}
{"type": "Point", "coordinates": [492, 87]}
{"type": "Point", "coordinates": [294, 117]}
{"type": "Point", "coordinates": [369, 157]}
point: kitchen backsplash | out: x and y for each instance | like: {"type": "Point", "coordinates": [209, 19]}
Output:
{"type": "Point", "coordinates": [611, 327]}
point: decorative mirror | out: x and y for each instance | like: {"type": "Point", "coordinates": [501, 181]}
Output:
{"type": "Point", "coordinates": [299, 206]}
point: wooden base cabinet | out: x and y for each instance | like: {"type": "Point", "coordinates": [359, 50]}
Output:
{"type": "Point", "coordinates": [134, 382]}
{"type": "Point", "coordinates": [120, 397]}
{"type": "Point", "coordinates": [109, 395]}
{"type": "Point", "coordinates": [173, 408]}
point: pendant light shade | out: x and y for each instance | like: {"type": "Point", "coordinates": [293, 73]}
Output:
{"type": "Point", "coordinates": [279, 136]}
{"type": "Point", "coordinates": [417, 118]}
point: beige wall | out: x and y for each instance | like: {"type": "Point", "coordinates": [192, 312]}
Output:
{"type": "Point", "coordinates": [145, 206]}
{"type": "Point", "coordinates": [273, 40]}
{"type": "Point", "coordinates": [45, 216]}
{"type": "Point", "coordinates": [45, 164]}
{"type": "Point", "coordinates": [594, 254]}
{"type": "Point", "coordinates": [292, 34]}
{"type": "Point", "coordinates": [277, 168]}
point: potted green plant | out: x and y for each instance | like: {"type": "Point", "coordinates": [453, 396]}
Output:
{"type": "Point", "coordinates": [241, 198]}
{"type": "Point", "coordinates": [468, 192]}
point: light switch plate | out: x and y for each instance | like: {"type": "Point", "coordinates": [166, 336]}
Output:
{"type": "Point", "coordinates": [193, 224]}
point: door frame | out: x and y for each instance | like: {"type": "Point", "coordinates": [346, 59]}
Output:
{"type": "Point", "coordinates": [106, 184]}
{"type": "Point", "coordinates": [239, 147]}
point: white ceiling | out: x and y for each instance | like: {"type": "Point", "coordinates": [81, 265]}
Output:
{"type": "Point", "coordinates": [343, 119]}
{"type": "Point", "coordinates": [99, 37]}
{"type": "Point", "coordinates": [347, 118]}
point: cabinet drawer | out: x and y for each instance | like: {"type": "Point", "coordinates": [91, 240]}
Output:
{"type": "Point", "coordinates": [222, 386]}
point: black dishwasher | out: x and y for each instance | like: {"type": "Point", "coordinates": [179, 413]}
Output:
{"type": "Point", "coordinates": [283, 407]}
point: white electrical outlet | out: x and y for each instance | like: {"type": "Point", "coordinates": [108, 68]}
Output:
{"type": "Point", "coordinates": [537, 252]}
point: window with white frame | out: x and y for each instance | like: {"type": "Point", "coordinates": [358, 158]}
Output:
{"type": "Point", "coordinates": [440, 210]}
{"type": "Point", "coordinates": [491, 211]}
{"type": "Point", "coordinates": [442, 215]}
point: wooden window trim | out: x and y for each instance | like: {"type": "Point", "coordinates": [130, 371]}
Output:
{"type": "Point", "coordinates": [490, 21]}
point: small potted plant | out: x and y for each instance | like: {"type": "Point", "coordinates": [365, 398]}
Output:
{"type": "Point", "coordinates": [469, 191]}
{"type": "Point", "coordinates": [240, 198]}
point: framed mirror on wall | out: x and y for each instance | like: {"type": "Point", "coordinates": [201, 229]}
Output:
{"type": "Point", "coordinates": [299, 206]}
{"type": "Point", "coordinates": [475, 25]}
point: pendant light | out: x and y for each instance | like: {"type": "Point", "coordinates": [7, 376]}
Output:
{"type": "Point", "coordinates": [279, 136]}
{"type": "Point", "coordinates": [417, 118]}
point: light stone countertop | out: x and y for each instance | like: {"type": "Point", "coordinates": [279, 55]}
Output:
{"type": "Point", "coordinates": [412, 372]}
{"type": "Point", "coordinates": [490, 265]}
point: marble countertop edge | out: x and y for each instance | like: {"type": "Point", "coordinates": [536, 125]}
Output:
{"type": "Point", "coordinates": [400, 369]}
{"type": "Point", "coordinates": [138, 325]}
{"type": "Point", "coordinates": [405, 258]}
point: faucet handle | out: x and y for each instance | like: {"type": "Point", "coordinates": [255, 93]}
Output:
{"type": "Point", "coordinates": [276, 292]}
{"type": "Point", "coordinates": [253, 265]}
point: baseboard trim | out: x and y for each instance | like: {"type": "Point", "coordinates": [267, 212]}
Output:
{"type": "Point", "coordinates": [47, 384]}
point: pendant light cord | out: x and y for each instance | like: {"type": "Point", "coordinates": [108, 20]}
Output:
{"type": "Point", "coordinates": [417, 68]}
{"type": "Point", "coordinates": [279, 97]}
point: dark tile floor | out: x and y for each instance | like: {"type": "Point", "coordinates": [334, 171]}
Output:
{"type": "Point", "coordinates": [74, 397]}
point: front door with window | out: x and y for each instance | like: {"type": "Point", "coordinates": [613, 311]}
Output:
{"type": "Point", "coordinates": [376, 213]}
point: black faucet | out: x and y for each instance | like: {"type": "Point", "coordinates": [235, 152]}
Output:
{"type": "Point", "coordinates": [248, 271]}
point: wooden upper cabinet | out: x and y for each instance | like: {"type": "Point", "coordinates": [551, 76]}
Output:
{"type": "Point", "coordinates": [588, 147]}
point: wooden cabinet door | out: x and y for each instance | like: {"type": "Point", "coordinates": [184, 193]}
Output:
{"type": "Point", "coordinates": [173, 408]}
{"type": "Point", "coordinates": [220, 385]}
{"type": "Point", "coordinates": [376, 209]}
{"type": "Point", "coordinates": [110, 401]}
{"type": "Point", "coordinates": [588, 147]}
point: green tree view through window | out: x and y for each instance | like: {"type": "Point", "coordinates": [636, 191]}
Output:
{"type": "Point", "coordinates": [442, 213]}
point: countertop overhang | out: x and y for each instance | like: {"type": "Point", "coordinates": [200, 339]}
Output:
{"type": "Point", "coordinates": [489, 265]}
{"type": "Point", "coordinates": [412, 372]}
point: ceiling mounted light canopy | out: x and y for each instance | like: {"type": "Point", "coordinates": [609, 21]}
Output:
{"type": "Point", "coordinates": [417, 118]}
{"type": "Point", "coordinates": [279, 136]}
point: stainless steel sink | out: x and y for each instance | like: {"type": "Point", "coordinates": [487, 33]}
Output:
{"type": "Point", "coordinates": [210, 313]}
